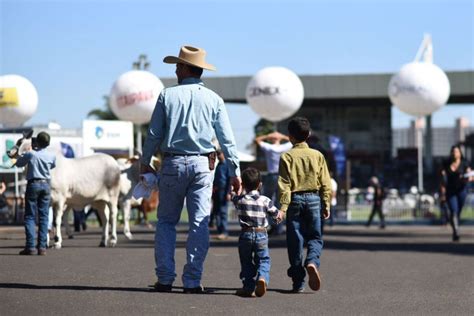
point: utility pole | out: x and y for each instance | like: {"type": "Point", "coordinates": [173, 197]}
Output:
{"type": "Point", "coordinates": [141, 64]}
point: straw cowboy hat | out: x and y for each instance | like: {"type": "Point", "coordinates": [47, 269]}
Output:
{"type": "Point", "coordinates": [190, 55]}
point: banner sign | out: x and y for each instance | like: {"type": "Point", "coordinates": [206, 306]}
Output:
{"type": "Point", "coordinates": [337, 147]}
{"type": "Point", "coordinates": [8, 97]}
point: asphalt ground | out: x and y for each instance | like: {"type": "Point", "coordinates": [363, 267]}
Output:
{"type": "Point", "coordinates": [402, 270]}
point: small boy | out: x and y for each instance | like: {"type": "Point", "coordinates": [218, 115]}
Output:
{"type": "Point", "coordinates": [38, 193]}
{"type": "Point", "coordinates": [254, 256]}
{"type": "Point", "coordinates": [305, 191]}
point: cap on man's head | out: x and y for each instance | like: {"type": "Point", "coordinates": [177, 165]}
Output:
{"type": "Point", "coordinates": [43, 139]}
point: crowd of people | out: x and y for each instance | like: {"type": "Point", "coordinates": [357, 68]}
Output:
{"type": "Point", "coordinates": [297, 188]}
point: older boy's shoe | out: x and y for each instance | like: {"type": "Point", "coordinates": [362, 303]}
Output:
{"type": "Point", "coordinates": [41, 252]}
{"type": "Point", "coordinates": [314, 277]}
{"type": "Point", "coordinates": [194, 290]}
{"type": "Point", "coordinates": [28, 252]}
{"type": "Point", "coordinates": [261, 288]}
{"type": "Point", "coordinates": [244, 293]}
{"type": "Point", "coordinates": [163, 288]}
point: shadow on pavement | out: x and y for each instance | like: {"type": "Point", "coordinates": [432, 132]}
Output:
{"type": "Point", "coordinates": [449, 248]}
{"type": "Point", "coordinates": [71, 287]}
{"type": "Point", "coordinates": [149, 289]}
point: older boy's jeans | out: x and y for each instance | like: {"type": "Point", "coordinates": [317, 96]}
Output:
{"type": "Point", "coordinates": [183, 177]}
{"type": "Point", "coordinates": [303, 225]}
{"type": "Point", "coordinates": [254, 258]}
{"type": "Point", "coordinates": [37, 199]}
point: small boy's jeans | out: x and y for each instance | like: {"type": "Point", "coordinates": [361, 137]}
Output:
{"type": "Point", "coordinates": [254, 258]}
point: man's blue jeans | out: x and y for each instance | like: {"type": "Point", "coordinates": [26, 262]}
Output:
{"type": "Point", "coordinates": [254, 258]}
{"type": "Point", "coordinates": [37, 200]}
{"type": "Point", "coordinates": [303, 225]}
{"type": "Point", "coordinates": [183, 177]}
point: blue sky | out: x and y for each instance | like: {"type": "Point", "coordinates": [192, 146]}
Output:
{"type": "Point", "coordinates": [73, 51]}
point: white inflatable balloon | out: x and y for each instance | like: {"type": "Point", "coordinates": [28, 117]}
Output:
{"type": "Point", "coordinates": [134, 94]}
{"type": "Point", "coordinates": [275, 93]}
{"type": "Point", "coordinates": [18, 100]}
{"type": "Point", "coordinates": [419, 88]}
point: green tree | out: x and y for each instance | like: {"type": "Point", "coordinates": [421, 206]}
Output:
{"type": "Point", "coordinates": [103, 114]}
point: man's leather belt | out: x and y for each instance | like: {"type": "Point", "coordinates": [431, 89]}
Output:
{"type": "Point", "coordinates": [185, 155]}
{"type": "Point", "coordinates": [254, 229]}
{"type": "Point", "coordinates": [38, 180]}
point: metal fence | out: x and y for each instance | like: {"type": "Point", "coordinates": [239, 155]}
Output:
{"type": "Point", "coordinates": [407, 207]}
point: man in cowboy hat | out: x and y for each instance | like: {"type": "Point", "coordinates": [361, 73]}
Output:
{"type": "Point", "coordinates": [182, 127]}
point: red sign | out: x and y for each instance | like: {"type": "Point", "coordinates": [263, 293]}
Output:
{"type": "Point", "coordinates": [132, 98]}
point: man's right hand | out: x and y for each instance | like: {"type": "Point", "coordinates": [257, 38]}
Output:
{"type": "Point", "coordinates": [146, 169]}
{"type": "Point", "coordinates": [236, 184]}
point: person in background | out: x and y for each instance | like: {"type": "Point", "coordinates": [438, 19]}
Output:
{"type": "Point", "coordinates": [79, 220]}
{"type": "Point", "coordinates": [252, 209]}
{"type": "Point", "coordinates": [272, 147]}
{"type": "Point", "coordinates": [305, 192]}
{"type": "Point", "coordinates": [221, 195]}
{"type": "Point", "coordinates": [3, 199]}
{"type": "Point", "coordinates": [333, 204]}
{"type": "Point", "coordinates": [453, 186]}
{"type": "Point", "coordinates": [185, 119]}
{"type": "Point", "coordinates": [377, 202]}
{"type": "Point", "coordinates": [38, 193]}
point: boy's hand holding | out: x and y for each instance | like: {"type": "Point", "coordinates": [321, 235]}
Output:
{"type": "Point", "coordinates": [280, 217]}
{"type": "Point", "coordinates": [326, 213]}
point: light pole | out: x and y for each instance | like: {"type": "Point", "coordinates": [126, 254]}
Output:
{"type": "Point", "coordinates": [141, 64]}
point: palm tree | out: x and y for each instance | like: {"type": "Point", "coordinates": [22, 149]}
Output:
{"type": "Point", "coordinates": [101, 114]}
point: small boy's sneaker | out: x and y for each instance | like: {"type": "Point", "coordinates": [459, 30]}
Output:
{"type": "Point", "coordinates": [244, 293]}
{"type": "Point", "coordinates": [222, 237]}
{"type": "Point", "coordinates": [261, 288]}
{"type": "Point", "coordinates": [314, 277]}
{"type": "Point", "coordinates": [41, 252]}
{"type": "Point", "coordinates": [195, 290]}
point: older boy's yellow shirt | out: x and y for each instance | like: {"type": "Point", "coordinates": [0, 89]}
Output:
{"type": "Point", "coordinates": [303, 169]}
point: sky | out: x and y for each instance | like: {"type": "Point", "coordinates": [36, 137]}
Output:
{"type": "Point", "coordinates": [73, 51]}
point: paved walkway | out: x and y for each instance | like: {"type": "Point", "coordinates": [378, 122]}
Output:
{"type": "Point", "coordinates": [400, 270]}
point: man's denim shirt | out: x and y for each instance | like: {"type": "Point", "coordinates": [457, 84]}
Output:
{"type": "Point", "coordinates": [186, 119]}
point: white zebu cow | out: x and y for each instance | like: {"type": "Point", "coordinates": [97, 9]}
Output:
{"type": "Point", "coordinates": [77, 182]}
{"type": "Point", "coordinates": [130, 176]}
{"type": "Point", "coordinates": [92, 180]}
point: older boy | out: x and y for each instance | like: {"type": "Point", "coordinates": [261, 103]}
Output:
{"type": "Point", "coordinates": [305, 190]}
